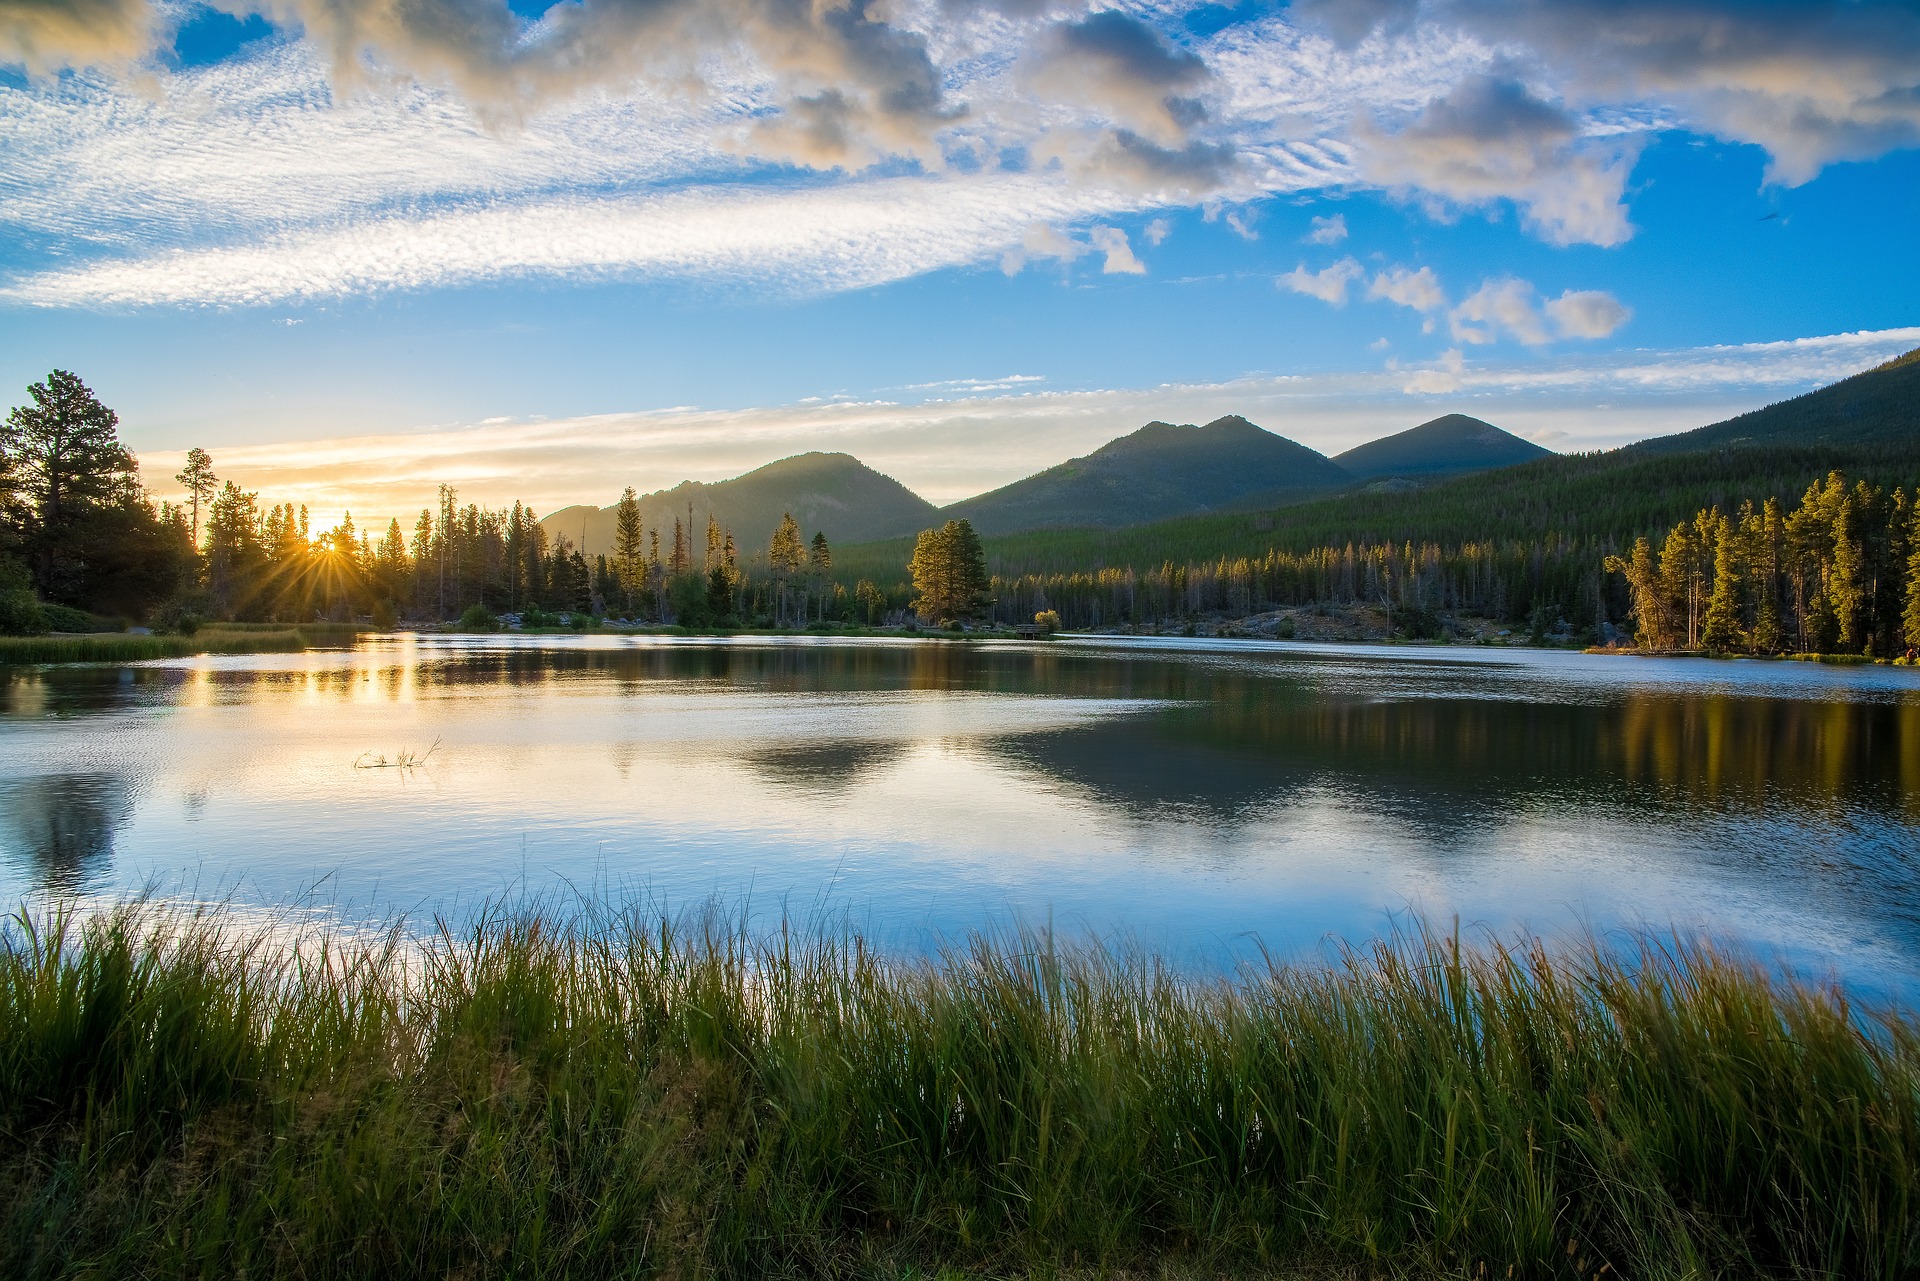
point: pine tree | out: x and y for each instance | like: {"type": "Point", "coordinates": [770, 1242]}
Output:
{"type": "Point", "coordinates": [785, 555]}
{"type": "Point", "coordinates": [949, 571]}
{"type": "Point", "coordinates": [1677, 584]}
{"type": "Point", "coordinates": [1846, 586]}
{"type": "Point", "coordinates": [1720, 629]}
{"type": "Point", "coordinates": [67, 461]}
{"type": "Point", "coordinates": [1647, 593]}
{"type": "Point", "coordinates": [1910, 619]}
{"type": "Point", "coordinates": [819, 564]}
{"type": "Point", "coordinates": [201, 485]}
{"type": "Point", "coordinates": [629, 558]}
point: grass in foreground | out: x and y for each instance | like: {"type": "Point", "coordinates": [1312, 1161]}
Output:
{"type": "Point", "coordinates": [119, 647]}
{"type": "Point", "coordinates": [602, 1095]}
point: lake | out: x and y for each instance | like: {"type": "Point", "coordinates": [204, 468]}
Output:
{"type": "Point", "coordinates": [1202, 798]}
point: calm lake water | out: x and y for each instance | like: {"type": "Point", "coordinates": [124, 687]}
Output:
{"type": "Point", "coordinates": [1194, 796]}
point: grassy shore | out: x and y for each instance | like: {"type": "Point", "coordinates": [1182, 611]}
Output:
{"type": "Point", "coordinates": [601, 1095]}
{"type": "Point", "coordinates": [224, 638]}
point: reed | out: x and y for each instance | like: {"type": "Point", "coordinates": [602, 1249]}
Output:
{"type": "Point", "coordinates": [596, 1092]}
{"type": "Point", "coordinates": [119, 647]}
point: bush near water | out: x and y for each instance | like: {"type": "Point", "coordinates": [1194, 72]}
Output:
{"type": "Point", "coordinates": [606, 1094]}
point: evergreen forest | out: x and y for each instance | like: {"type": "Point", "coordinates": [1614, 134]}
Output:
{"type": "Point", "coordinates": [1752, 543]}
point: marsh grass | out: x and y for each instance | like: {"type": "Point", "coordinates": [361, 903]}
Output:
{"type": "Point", "coordinates": [226, 638]}
{"type": "Point", "coordinates": [602, 1093]}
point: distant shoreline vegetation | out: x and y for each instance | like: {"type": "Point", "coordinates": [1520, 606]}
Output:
{"type": "Point", "coordinates": [602, 1092]}
{"type": "Point", "coordinates": [1556, 550]}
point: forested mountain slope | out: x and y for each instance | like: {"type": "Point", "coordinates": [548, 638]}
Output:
{"type": "Point", "coordinates": [1867, 426]}
{"type": "Point", "coordinates": [1451, 445]}
{"type": "Point", "coordinates": [1878, 407]}
{"type": "Point", "coordinates": [834, 494]}
{"type": "Point", "coordinates": [1159, 471]}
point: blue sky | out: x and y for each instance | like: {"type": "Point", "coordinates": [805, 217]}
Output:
{"type": "Point", "coordinates": [357, 246]}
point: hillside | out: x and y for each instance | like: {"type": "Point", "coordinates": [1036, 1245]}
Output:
{"type": "Point", "coordinates": [1878, 407]}
{"type": "Point", "coordinates": [1867, 426]}
{"type": "Point", "coordinates": [834, 494]}
{"type": "Point", "coordinates": [1452, 445]}
{"type": "Point", "coordinates": [1159, 471]}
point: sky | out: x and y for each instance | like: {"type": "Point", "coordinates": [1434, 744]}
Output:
{"type": "Point", "coordinates": [355, 248]}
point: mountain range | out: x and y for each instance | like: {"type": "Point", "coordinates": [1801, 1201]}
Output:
{"type": "Point", "coordinates": [1159, 472]}
{"type": "Point", "coordinates": [1230, 487]}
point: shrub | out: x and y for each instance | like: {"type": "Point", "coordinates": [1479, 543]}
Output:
{"type": "Point", "coordinates": [1415, 622]}
{"type": "Point", "coordinates": [177, 618]}
{"type": "Point", "coordinates": [64, 618]}
{"type": "Point", "coordinates": [383, 615]}
{"type": "Point", "coordinates": [479, 618]}
{"type": "Point", "coordinates": [21, 614]}
{"type": "Point", "coordinates": [687, 598]}
{"type": "Point", "coordinates": [1048, 620]}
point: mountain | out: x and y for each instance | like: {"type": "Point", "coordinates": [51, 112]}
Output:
{"type": "Point", "coordinates": [1159, 471]}
{"type": "Point", "coordinates": [1867, 426]}
{"type": "Point", "coordinates": [1452, 445]}
{"type": "Point", "coordinates": [834, 494]}
{"type": "Point", "coordinates": [1880, 406]}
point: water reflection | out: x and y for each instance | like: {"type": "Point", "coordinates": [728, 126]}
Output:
{"type": "Point", "coordinates": [64, 825]}
{"type": "Point", "coordinates": [1280, 791]}
{"type": "Point", "coordinates": [824, 766]}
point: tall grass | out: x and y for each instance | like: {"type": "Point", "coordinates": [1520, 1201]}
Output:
{"type": "Point", "coordinates": [607, 1094]}
{"type": "Point", "coordinates": [123, 648]}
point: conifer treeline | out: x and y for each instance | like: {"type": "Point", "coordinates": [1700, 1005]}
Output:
{"type": "Point", "coordinates": [1839, 573]}
{"type": "Point", "coordinates": [1507, 581]}
{"type": "Point", "coordinates": [266, 563]}
{"type": "Point", "coordinates": [81, 538]}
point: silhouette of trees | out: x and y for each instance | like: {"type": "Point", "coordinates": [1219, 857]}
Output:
{"type": "Point", "coordinates": [74, 508]}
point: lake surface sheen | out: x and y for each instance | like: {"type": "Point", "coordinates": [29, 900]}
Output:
{"type": "Point", "coordinates": [1199, 797]}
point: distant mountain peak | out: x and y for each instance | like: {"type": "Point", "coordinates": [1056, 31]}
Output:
{"type": "Point", "coordinates": [1161, 469]}
{"type": "Point", "coordinates": [829, 492]}
{"type": "Point", "coordinates": [1450, 445]}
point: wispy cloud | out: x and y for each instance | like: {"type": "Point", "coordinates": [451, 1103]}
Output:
{"type": "Point", "coordinates": [837, 236]}
{"type": "Point", "coordinates": [128, 183]}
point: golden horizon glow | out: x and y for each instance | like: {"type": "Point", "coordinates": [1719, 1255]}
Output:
{"type": "Point", "coordinates": [947, 450]}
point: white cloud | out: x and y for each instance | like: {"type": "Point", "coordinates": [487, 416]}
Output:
{"type": "Point", "coordinates": [1490, 139]}
{"type": "Point", "coordinates": [1242, 222]}
{"type": "Point", "coordinates": [1120, 261]}
{"type": "Point", "coordinates": [1419, 290]}
{"type": "Point", "coordinates": [1587, 313]}
{"type": "Point", "coordinates": [836, 237]}
{"type": "Point", "coordinates": [1157, 231]}
{"type": "Point", "coordinates": [380, 113]}
{"type": "Point", "coordinates": [1043, 242]}
{"type": "Point", "coordinates": [1506, 305]}
{"type": "Point", "coordinates": [1439, 378]}
{"type": "Point", "coordinates": [1327, 231]}
{"type": "Point", "coordinates": [1328, 284]}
